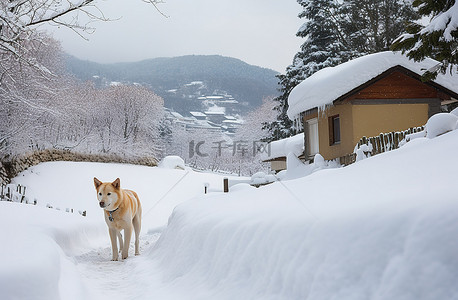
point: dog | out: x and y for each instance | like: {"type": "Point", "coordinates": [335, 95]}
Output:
{"type": "Point", "coordinates": [123, 211]}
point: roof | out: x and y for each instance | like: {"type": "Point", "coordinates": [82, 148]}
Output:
{"type": "Point", "coordinates": [197, 114]}
{"type": "Point", "coordinates": [220, 113]}
{"type": "Point", "coordinates": [328, 84]}
{"type": "Point", "coordinates": [281, 148]}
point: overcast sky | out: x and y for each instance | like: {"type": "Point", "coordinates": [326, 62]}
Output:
{"type": "Point", "coordinates": [259, 32]}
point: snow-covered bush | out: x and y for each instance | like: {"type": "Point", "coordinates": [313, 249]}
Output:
{"type": "Point", "coordinates": [262, 178]}
{"type": "Point", "coordinates": [440, 124]}
{"type": "Point", "coordinates": [172, 162]}
{"type": "Point", "coordinates": [363, 152]}
{"type": "Point", "coordinates": [295, 168]}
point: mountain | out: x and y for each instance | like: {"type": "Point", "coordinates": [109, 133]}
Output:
{"type": "Point", "coordinates": [171, 78]}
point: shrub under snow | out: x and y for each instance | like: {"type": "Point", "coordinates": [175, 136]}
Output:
{"type": "Point", "coordinates": [440, 124]}
{"type": "Point", "coordinates": [172, 162]}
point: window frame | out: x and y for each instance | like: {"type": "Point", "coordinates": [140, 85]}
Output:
{"type": "Point", "coordinates": [335, 136]}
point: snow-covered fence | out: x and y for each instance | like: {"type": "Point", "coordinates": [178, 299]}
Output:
{"type": "Point", "coordinates": [381, 143]}
{"type": "Point", "coordinates": [16, 193]}
{"type": "Point", "coordinates": [386, 141]}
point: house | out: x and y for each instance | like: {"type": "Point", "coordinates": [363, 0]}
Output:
{"type": "Point", "coordinates": [216, 117]}
{"type": "Point", "coordinates": [277, 151]}
{"type": "Point", "coordinates": [198, 115]}
{"type": "Point", "coordinates": [377, 93]}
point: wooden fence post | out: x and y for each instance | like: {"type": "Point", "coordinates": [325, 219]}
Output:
{"type": "Point", "coordinates": [226, 185]}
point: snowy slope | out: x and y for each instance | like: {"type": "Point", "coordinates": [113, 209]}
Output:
{"type": "Point", "coordinates": [70, 185]}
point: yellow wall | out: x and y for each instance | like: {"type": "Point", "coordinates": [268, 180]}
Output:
{"type": "Point", "coordinates": [346, 131]}
{"type": "Point", "coordinates": [371, 120]}
{"type": "Point", "coordinates": [357, 121]}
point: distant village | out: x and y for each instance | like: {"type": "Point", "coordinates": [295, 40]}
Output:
{"type": "Point", "coordinates": [220, 111]}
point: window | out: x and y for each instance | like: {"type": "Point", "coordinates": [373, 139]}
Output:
{"type": "Point", "coordinates": [312, 137]}
{"type": "Point", "coordinates": [334, 130]}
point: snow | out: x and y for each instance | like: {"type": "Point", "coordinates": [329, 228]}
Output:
{"type": "Point", "coordinates": [281, 148]}
{"type": "Point", "coordinates": [455, 112]}
{"type": "Point", "coordinates": [441, 123]}
{"type": "Point", "coordinates": [328, 84]}
{"type": "Point", "coordinates": [295, 168]}
{"type": "Point", "coordinates": [262, 178]}
{"type": "Point", "coordinates": [446, 22]}
{"type": "Point", "coordinates": [382, 228]}
{"type": "Point", "coordinates": [172, 162]}
{"type": "Point", "coordinates": [389, 236]}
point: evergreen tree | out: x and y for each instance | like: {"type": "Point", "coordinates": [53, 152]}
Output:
{"type": "Point", "coordinates": [323, 47]}
{"type": "Point", "coordinates": [336, 31]}
{"type": "Point", "coordinates": [438, 39]}
{"type": "Point", "coordinates": [372, 25]}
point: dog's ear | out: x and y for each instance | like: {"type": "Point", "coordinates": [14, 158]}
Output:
{"type": "Point", "coordinates": [116, 183]}
{"type": "Point", "coordinates": [97, 183]}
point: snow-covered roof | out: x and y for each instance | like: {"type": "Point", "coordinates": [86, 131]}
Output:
{"type": "Point", "coordinates": [208, 113]}
{"type": "Point", "coordinates": [197, 114]}
{"type": "Point", "coordinates": [328, 84]}
{"type": "Point", "coordinates": [281, 148]}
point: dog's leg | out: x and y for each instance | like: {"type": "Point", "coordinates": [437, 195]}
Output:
{"type": "Point", "coordinates": [120, 241]}
{"type": "Point", "coordinates": [127, 236]}
{"type": "Point", "coordinates": [137, 226]}
{"type": "Point", "coordinates": [114, 245]}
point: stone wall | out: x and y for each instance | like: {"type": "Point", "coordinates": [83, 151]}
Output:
{"type": "Point", "coordinates": [10, 168]}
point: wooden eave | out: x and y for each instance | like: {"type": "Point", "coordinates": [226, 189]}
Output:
{"type": "Point", "coordinates": [388, 72]}
{"type": "Point", "coordinates": [281, 158]}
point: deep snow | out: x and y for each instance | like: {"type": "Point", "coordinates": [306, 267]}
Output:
{"type": "Point", "coordinates": [382, 228]}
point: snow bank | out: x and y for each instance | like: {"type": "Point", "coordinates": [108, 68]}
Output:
{"type": "Point", "coordinates": [34, 255]}
{"type": "Point", "coordinates": [172, 162]}
{"type": "Point", "coordinates": [281, 148]}
{"type": "Point", "coordinates": [440, 123]}
{"type": "Point", "coordinates": [384, 228]}
{"type": "Point", "coordinates": [262, 178]}
{"type": "Point", "coordinates": [295, 168]}
{"type": "Point", "coordinates": [326, 85]}
{"type": "Point", "coordinates": [455, 112]}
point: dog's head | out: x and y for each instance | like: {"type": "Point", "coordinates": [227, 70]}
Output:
{"type": "Point", "coordinates": [107, 193]}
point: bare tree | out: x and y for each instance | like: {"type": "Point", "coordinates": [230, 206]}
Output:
{"type": "Point", "coordinates": [19, 20]}
{"type": "Point", "coordinates": [31, 78]}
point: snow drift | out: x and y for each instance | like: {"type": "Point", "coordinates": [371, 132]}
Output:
{"type": "Point", "coordinates": [383, 228]}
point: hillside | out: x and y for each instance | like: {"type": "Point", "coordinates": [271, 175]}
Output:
{"type": "Point", "coordinates": [220, 75]}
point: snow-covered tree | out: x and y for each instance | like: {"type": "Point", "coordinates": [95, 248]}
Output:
{"type": "Point", "coordinates": [334, 32]}
{"type": "Point", "coordinates": [30, 65]}
{"type": "Point", "coordinates": [324, 46]}
{"type": "Point", "coordinates": [19, 20]}
{"type": "Point", "coordinates": [25, 94]}
{"type": "Point", "coordinates": [251, 128]}
{"type": "Point", "coordinates": [372, 25]}
{"type": "Point", "coordinates": [130, 118]}
{"type": "Point", "coordinates": [438, 39]}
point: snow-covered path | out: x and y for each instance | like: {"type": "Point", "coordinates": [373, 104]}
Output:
{"type": "Point", "coordinates": [105, 279]}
